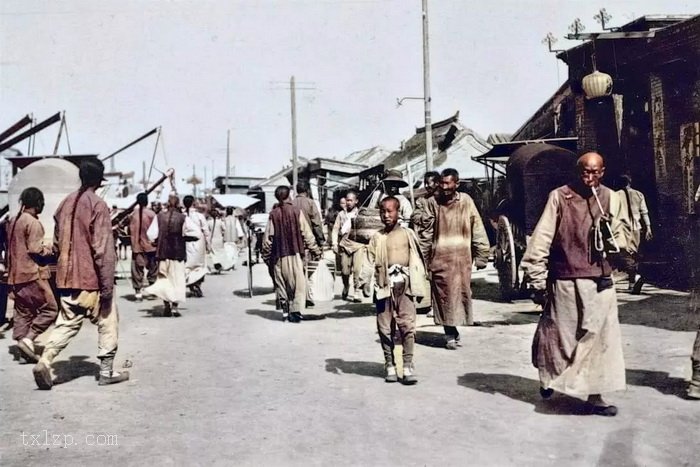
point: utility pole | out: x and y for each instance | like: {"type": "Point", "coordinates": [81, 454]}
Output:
{"type": "Point", "coordinates": [228, 160]}
{"type": "Point", "coordinates": [305, 86]}
{"type": "Point", "coordinates": [426, 92]}
{"type": "Point", "coordinates": [292, 87]}
{"type": "Point", "coordinates": [144, 179]}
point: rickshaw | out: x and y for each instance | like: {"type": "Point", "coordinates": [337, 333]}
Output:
{"type": "Point", "coordinates": [531, 171]}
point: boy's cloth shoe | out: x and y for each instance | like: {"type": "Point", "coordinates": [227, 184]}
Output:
{"type": "Point", "coordinates": [391, 376]}
{"type": "Point", "coordinates": [409, 376]}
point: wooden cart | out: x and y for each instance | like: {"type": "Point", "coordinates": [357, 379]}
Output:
{"type": "Point", "coordinates": [531, 172]}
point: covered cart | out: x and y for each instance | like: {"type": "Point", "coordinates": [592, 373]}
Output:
{"type": "Point", "coordinates": [531, 172]}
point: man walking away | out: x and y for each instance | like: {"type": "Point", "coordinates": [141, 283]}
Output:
{"type": "Point", "coordinates": [577, 346]}
{"type": "Point", "coordinates": [456, 238]}
{"type": "Point", "coordinates": [286, 236]}
{"type": "Point", "coordinates": [28, 275]}
{"type": "Point", "coordinates": [171, 228]}
{"type": "Point", "coordinates": [636, 225]}
{"type": "Point", "coordinates": [84, 276]}
{"type": "Point", "coordinates": [143, 253]}
{"type": "Point", "coordinates": [307, 206]}
{"type": "Point", "coordinates": [394, 259]}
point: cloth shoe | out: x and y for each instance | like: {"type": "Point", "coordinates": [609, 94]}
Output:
{"type": "Point", "coordinates": [595, 405]}
{"type": "Point", "coordinates": [42, 375]}
{"type": "Point", "coordinates": [409, 374]}
{"type": "Point", "coordinates": [637, 286]}
{"type": "Point", "coordinates": [108, 375]}
{"type": "Point", "coordinates": [390, 374]}
{"type": "Point", "coordinates": [451, 343]}
{"type": "Point", "coordinates": [113, 377]}
{"type": "Point", "coordinates": [26, 348]}
{"type": "Point", "coordinates": [295, 317]}
{"type": "Point", "coordinates": [138, 296]}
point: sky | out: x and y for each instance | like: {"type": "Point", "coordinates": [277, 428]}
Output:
{"type": "Point", "coordinates": [200, 68]}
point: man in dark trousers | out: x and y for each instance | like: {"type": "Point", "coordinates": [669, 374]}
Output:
{"type": "Point", "coordinates": [84, 276]}
{"type": "Point", "coordinates": [287, 235]}
{"type": "Point", "coordinates": [28, 275]}
{"type": "Point", "coordinates": [143, 252]}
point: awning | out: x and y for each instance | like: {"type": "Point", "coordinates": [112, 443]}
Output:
{"type": "Point", "coordinates": [235, 200]}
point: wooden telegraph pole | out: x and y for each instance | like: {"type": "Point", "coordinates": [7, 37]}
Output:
{"type": "Point", "coordinates": [426, 92]}
{"type": "Point", "coordinates": [292, 87]}
{"type": "Point", "coordinates": [228, 160]}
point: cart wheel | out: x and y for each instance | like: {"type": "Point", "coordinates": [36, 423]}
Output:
{"type": "Point", "coordinates": [505, 259]}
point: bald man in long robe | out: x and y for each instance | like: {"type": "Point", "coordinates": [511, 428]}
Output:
{"type": "Point", "coordinates": [577, 346]}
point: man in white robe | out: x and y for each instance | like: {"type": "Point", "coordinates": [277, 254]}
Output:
{"type": "Point", "coordinates": [196, 265]}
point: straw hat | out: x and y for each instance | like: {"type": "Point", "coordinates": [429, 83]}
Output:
{"type": "Point", "coordinates": [395, 176]}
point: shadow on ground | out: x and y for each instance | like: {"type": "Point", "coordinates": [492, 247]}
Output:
{"type": "Point", "coordinates": [430, 339]}
{"type": "Point", "coordinates": [486, 290]}
{"type": "Point", "coordinates": [156, 311]}
{"type": "Point", "coordinates": [77, 366]}
{"type": "Point", "coordinates": [272, 315]}
{"type": "Point", "coordinates": [512, 319]}
{"type": "Point", "coordinates": [523, 390]}
{"type": "Point", "coordinates": [244, 293]}
{"type": "Point", "coordinates": [352, 310]}
{"type": "Point", "coordinates": [659, 310]}
{"type": "Point", "coordinates": [659, 380]}
{"type": "Point", "coordinates": [339, 366]}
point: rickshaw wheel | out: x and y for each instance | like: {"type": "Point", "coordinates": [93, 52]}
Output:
{"type": "Point", "coordinates": [505, 259]}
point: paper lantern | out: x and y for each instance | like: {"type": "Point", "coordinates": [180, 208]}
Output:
{"type": "Point", "coordinates": [597, 85]}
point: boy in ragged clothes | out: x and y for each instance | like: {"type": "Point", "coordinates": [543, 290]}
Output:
{"type": "Point", "coordinates": [400, 278]}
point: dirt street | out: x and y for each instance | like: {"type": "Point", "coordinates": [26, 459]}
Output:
{"type": "Point", "coordinates": [229, 383]}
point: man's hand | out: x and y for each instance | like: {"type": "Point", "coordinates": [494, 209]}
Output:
{"type": "Point", "coordinates": [480, 264]}
{"type": "Point", "coordinates": [105, 308]}
{"type": "Point", "coordinates": [317, 255]}
{"type": "Point", "coordinates": [648, 235]}
{"type": "Point", "coordinates": [539, 296]}
{"type": "Point", "coordinates": [335, 249]}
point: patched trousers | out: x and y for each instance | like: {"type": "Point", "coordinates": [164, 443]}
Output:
{"type": "Point", "coordinates": [398, 310]}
